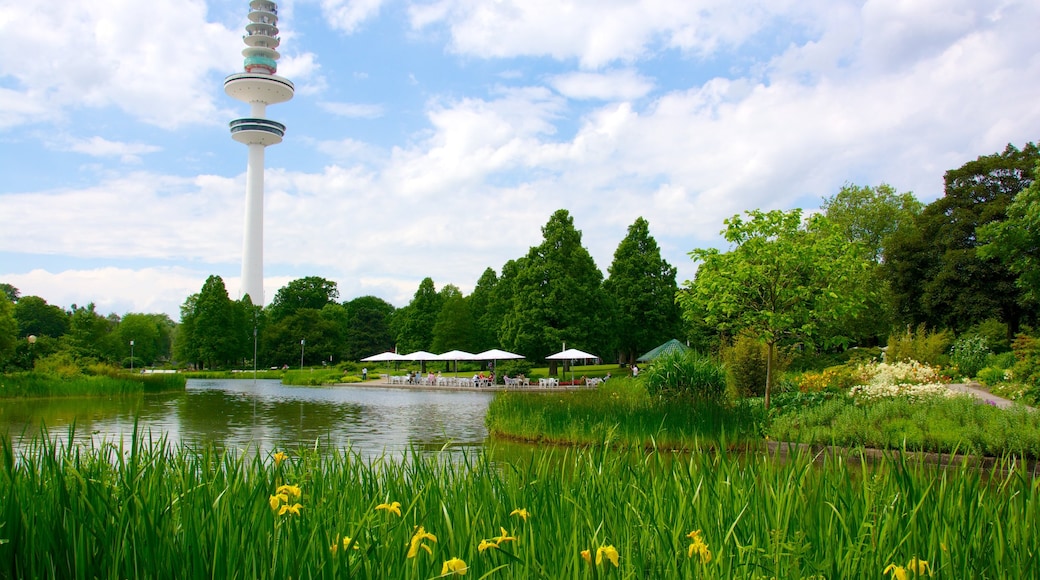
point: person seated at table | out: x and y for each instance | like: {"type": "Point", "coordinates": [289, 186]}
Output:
{"type": "Point", "coordinates": [581, 381]}
{"type": "Point", "coordinates": [606, 377]}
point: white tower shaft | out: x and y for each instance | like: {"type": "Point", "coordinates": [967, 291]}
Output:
{"type": "Point", "coordinates": [253, 240]}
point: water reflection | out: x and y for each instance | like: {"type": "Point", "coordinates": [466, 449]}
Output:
{"type": "Point", "coordinates": [266, 415]}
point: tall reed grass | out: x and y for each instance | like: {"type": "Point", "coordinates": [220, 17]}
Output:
{"type": "Point", "coordinates": [34, 384]}
{"type": "Point", "coordinates": [620, 411]}
{"type": "Point", "coordinates": [158, 510]}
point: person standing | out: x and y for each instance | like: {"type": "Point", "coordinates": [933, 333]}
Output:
{"type": "Point", "coordinates": [364, 374]}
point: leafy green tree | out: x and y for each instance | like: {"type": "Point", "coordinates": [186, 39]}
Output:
{"type": "Point", "coordinates": [784, 280]}
{"type": "Point", "coordinates": [311, 292]}
{"type": "Point", "coordinates": [557, 297]}
{"type": "Point", "coordinates": [936, 275]}
{"type": "Point", "coordinates": [91, 336]}
{"type": "Point", "coordinates": [8, 330]}
{"type": "Point", "coordinates": [869, 215]}
{"type": "Point", "coordinates": [38, 318]}
{"type": "Point", "coordinates": [151, 334]}
{"type": "Point", "coordinates": [10, 291]}
{"type": "Point", "coordinates": [214, 333]}
{"type": "Point", "coordinates": [482, 309]}
{"type": "Point", "coordinates": [1015, 242]}
{"type": "Point", "coordinates": [416, 321]}
{"type": "Point", "coordinates": [321, 336]}
{"type": "Point", "coordinates": [368, 327]}
{"type": "Point", "coordinates": [184, 348]}
{"type": "Point", "coordinates": [642, 289]}
{"type": "Point", "coordinates": [454, 328]}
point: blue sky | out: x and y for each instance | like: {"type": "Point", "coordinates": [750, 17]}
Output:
{"type": "Point", "coordinates": [435, 138]}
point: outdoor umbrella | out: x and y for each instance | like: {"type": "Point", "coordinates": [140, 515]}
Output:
{"type": "Point", "coordinates": [571, 354]}
{"type": "Point", "coordinates": [496, 355]}
{"type": "Point", "coordinates": [421, 356]}
{"type": "Point", "coordinates": [384, 356]}
{"type": "Point", "coordinates": [455, 355]}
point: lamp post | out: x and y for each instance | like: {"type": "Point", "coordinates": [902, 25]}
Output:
{"type": "Point", "coordinates": [31, 339]}
{"type": "Point", "coordinates": [302, 341]}
{"type": "Point", "coordinates": [131, 357]}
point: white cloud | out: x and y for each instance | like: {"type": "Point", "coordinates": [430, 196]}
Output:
{"type": "Point", "coordinates": [349, 15]}
{"type": "Point", "coordinates": [353, 110]}
{"type": "Point", "coordinates": [623, 85]}
{"type": "Point", "coordinates": [153, 60]}
{"type": "Point", "coordinates": [101, 147]}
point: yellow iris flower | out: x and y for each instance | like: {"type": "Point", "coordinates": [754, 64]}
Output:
{"type": "Point", "coordinates": [587, 556]}
{"type": "Point", "coordinates": [392, 508]}
{"type": "Point", "coordinates": [290, 509]}
{"type": "Point", "coordinates": [484, 545]}
{"type": "Point", "coordinates": [610, 552]}
{"type": "Point", "coordinates": [505, 537]}
{"type": "Point", "coordinates": [919, 566]}
{"type": "Point", "coordinates": [279, 458]}
{"type": "Point", "coordinates": [416, 543]}
{"type": "Point", "coordinates": [454, 566]}
{"type": "Point", "coordinates": [521, 512]}
{"type": "Point", "coordinates": [289, 490]}
{"type": "Point", "coordinates": [898, 572]}
{"type": "Point", "coordinates": [698, 547]}
{"type": "Point", "coordinates": [277, 500]}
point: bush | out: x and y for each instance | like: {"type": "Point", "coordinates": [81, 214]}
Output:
{"type": "Point", "coordinates": [839, 378]}
{"type": "Point", "coordinates": [746, 366]}
{"type": "Point", "coordinates": [513, 368]}
{"type": "Point", "coordinates": [969, 353]}
{"type": "Point", "coordinates": [996, 334]}
{"type": "Point", "coordinates": [688, 374]}
{"type": "Point", "coordinates": [991, 376]}
{"type": "Point", "coordinates": [918, 345]}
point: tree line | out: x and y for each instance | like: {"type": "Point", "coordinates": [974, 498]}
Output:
{"type": "Point", "coordinates": [873, 261]}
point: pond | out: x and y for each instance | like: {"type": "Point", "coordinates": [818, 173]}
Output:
{"type": "Point", "coordinates": [265, 415]}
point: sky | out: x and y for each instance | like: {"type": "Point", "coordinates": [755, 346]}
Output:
{"type": "Point", "coordinates": [435, 138]}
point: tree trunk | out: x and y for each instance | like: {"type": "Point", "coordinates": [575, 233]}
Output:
{"type": "Point", "coordinates": [769, 370]}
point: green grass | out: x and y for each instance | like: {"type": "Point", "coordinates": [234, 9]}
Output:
{"type": "Point", "coordinates": [157, 510]}
{"type": "Point", "coordinates": [935, 424]}
{"type": "Point", "coordinates": [620, 413]}
{"type": "Point", "coordinates": [33, 385]}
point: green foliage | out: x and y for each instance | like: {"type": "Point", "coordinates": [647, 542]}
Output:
{"type": "Point", "coordinates": [969, 353]}
{"type": "Point", "coordinates": [936, 424]}
{"type": "Point", "coordinates": [514, 368]}
{"type": "Point", "coordinates": [995, 333]}
{"type": "Point", "coordinates": [1015, 242]}
{"type": "Point", "coordinates": [311, 292]}
{"type": "Point", "coordinates": [8, 331]}
{"type": "Point", "coordinates": [641, 286]}
{"type": "Point", "coordinates": [745, 362]}
{"type": "Point", "coordinates": [313, 377]}
{"type": "Point", "coordinates": [1027, 363]}
{"type": "Point", "coordinates": [784, 281]}
{"type": "Point", "coordinates": [919, 345]}
{"type": "Point", "coordinates": [869, 215]}
{"type": "Point", "coordinates": [992, 376]}
{"type": "Point", "coordinates": [38, 318]}
{"type": "Point", "coordinates": [556, 295]}
{"type": "Point", "coordinates": [414, 323]}
{"type": "Point", "coordinates": [368, 327]}
{"type": "Point", "coordinates": [455, 328]}
{"type": "Point", "coordinates": [687, 375]}
{"type": "Point", "coordinates": [63, 383]}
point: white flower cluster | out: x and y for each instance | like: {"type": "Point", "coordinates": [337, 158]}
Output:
{"type": "Point", "coordinates": [911, 380]}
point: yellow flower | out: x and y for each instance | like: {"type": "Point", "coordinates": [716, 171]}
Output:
{"type": "Point", "coordinates": [277, 500]}
{"type": "Point", "coordinates": [585, 555]}
{"type": "Point", "coordinates": [698, 547]}
{"type": "Point", "coordinates": [416, 543]}
{"type": "Point", "coordinates": [279, 458]}
{"type": "Point", "coordinates": [610, 552]}
{"type": "Point", "coordinates": [919, 566]}
{"type": "Point", "coordinates": [392, 508]}
{"type": "Point", "coordinates": [289, 490]}
{"type": "Point", "coordinates": [522, 512]}
{"type": "Point", "coordinates": [505, 537]}
{"type": "Point", "coordinates": [484, 545]}
{"type": "Point", "coordinates": [346, 543]}
{"type": "Point", "coordinates": [290, 509]}
{"type": "Point", "coordinates": [455, 566]}
{"type": "Point", "coordinates": [898, 572]}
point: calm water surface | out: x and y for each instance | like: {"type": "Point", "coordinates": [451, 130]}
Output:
{"type": "Point", "coordinates": [265, 415]}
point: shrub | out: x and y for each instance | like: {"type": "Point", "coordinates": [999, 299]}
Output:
{"type": "Point", "coordinates": [918, 345]}
{"type": "Point", "coordinates": [689, 374]}
{"type": "Point", "coordinates": [834, 378]}
{"type": "Point", "coordinates": [969, 353]}
{"type": "Point", "coordinates": [991, 376]}
{"type": "Point", "coordinates": [995, 332]}
{"type": "Point", "coordinates": [746, 366]}
{"type": "Point", "coordinates": [513, 368]}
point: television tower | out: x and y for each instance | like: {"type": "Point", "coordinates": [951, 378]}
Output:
{"type": "Point", "coordinates": [259, 86]}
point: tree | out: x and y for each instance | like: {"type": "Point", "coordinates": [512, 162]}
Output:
{"type": "Point", "coordinates": [8, 330]}
{"type": "Point", "coordinates": [38, 318]}
{"type": "Point", "coordinates": [642, 289]}
{"type": "Point", "coordinates": [91, 336]}
{"type": "Point", "coordinates": [10, 291]}
{"type": "Point", "coordinates": [936, 275]}
{"type": "Point", "coordinates": [214, 333]}
{"type": "Point", "coordinates": [311, 292]}
{"type": "Point", "coordinates": [454, 328]}
{"type": "Point", "coordinates": [557, 297]}
{"type": "Point", "coordinates": [482, 309]}
{"type": "Point", "coordinates": [415, 322]}
{"type": "Point", "coordinates": [151, 334]}
{"type": "Point", "coordinates": [869, 215]}
{"type": "Point", "coordinates": [1015, 242]}
{"type": "Point", "coordinates": [784, 280]}
{"type": "Point", "coordinates": [368, 328]}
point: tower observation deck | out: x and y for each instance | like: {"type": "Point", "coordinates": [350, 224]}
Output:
{"type": "Point", "coordinates": [258, 86]}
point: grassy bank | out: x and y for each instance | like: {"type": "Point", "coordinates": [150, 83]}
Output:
{"type": "Point", "coordinates": [620, 411]}
{"type": "Point", "coordinates": [39, 385]}
{"type": "Point", "coordinates": [162, 511]}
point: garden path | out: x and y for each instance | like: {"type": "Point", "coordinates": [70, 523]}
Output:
{"type": "Point", "coordinates": [974, 390]}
